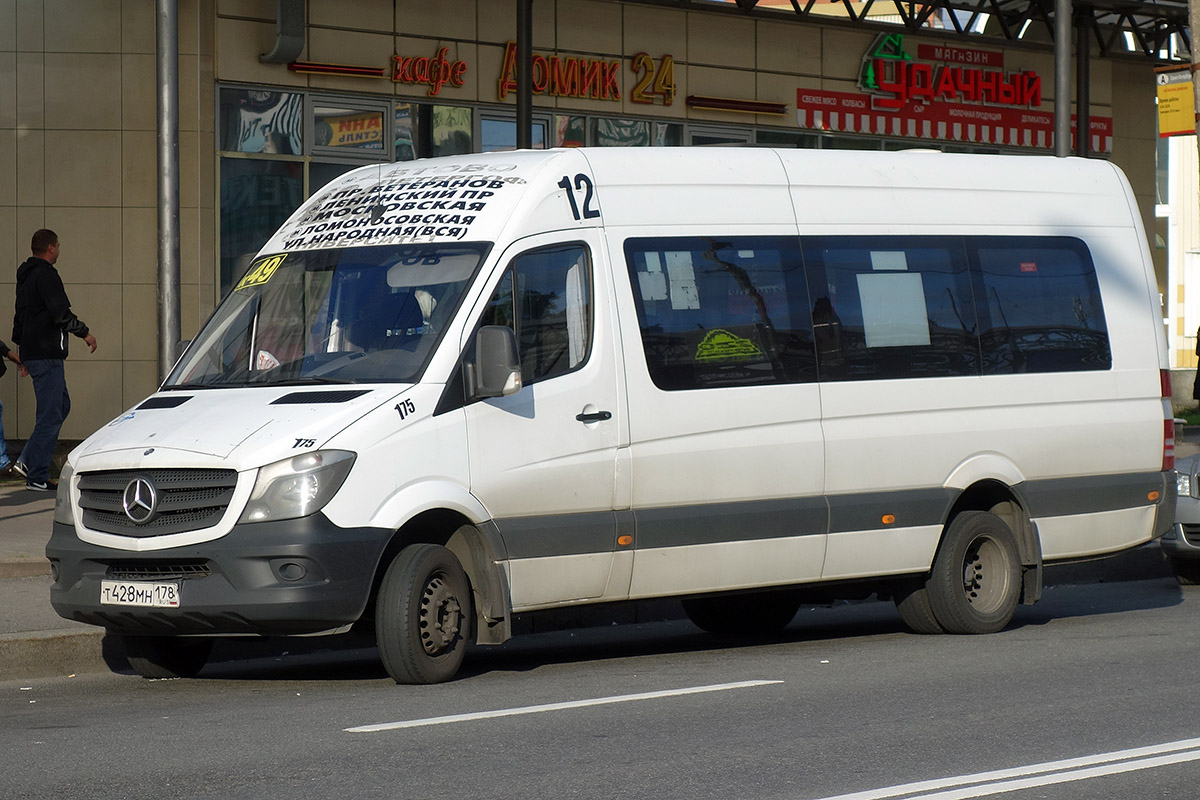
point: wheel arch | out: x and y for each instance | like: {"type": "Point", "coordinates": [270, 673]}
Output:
{"type": "Point", "coordinates": [480, 551]}
{"type": "Point", "coordinates": [1002, 500]}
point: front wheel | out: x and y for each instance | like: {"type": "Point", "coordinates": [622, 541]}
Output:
{"type": "Point", "coordinates": [422, 615]}
{"type": "Point", "coordinates": [166, 656]}
{"type": "Point", "coordinates": [976, 579]}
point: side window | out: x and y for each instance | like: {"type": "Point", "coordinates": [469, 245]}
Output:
{"type": "Point", "coordinates": [722, 311]}
{"type": "Point", "coordinates": [545, 296]}
{"type": "Point", "coordinates": [1040, 305]}
{"type": "Point", "coordinates": [891, 307]}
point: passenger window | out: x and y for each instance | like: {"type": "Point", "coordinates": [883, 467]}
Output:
{"type": "Point", "coordinates": [722, 311]}
{"type": "Point", "coordinates": [545, 297]}
{"type": "Point", "coordinates": [891, 307]}
{"type": "Point", "coordinates": [1040, 307]}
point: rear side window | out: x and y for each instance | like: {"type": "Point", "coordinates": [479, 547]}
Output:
{"type": "Point", "coordinates": [1040, 307]}
{"type": "Point", "coordinates": [722, 311]}
{"type": "Point", "coordinates": [892, 307]}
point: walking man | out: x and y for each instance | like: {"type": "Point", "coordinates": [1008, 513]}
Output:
{"type": "Point", "coordinates": [41, 323]}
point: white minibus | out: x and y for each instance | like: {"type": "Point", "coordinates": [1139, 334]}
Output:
{"type": "Point", "coordinates": [452, 391]}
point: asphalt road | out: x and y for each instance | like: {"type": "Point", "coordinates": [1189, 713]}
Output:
{"type": "Point", "coordinates": [1089, 694]}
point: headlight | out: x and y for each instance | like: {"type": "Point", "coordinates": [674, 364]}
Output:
{"type": "Point", "coordinates": [1183, 484]}
{"type": "Point", "coordinates": [62, 499]}
{"type": "Point", "coordinates": [298, 486]}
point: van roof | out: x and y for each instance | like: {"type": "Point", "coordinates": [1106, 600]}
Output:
{"type": "Point", "coordinates": [494, 196]}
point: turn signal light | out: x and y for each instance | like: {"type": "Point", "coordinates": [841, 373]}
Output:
{"type": "Point", "coordinates": [888, 519]}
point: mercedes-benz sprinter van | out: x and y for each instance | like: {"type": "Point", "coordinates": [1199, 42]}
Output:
{"type": "Point", "coordinates": [451, 391]}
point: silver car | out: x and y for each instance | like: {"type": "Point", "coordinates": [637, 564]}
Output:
{"type": "Point", "coordinates": [1182, 542]}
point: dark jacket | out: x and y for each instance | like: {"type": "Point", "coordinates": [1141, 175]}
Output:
{"type": "Point", "coordinates": [43, 317]}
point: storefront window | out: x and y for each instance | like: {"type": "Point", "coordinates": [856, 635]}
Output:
{"type": "Point", "coordinates": [261, 121]}
{"type": "Point", "coordinates": [787, 139]}
{"type": "Point", "coordinates": [449, 130]}
{"type": "Point", "coordinates": [501, 134]}
{"type": "Point", "coordinates": [348, 128]}
{"type": "Point", "coordinates": [257, 195]}
{"type": "Point", "coordinates": [569, 131]}
{"type": "Point", "coordinates": [320, 173]}
{"type": "Point", "coordinates": [635, 133]}
{"type": "Point", "coordinates": [405, 131]}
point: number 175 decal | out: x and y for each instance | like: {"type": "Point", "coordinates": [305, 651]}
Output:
{"type": "Point", "coordinates": [583, 183]}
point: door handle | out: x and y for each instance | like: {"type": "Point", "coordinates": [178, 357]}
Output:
{"type": "Point", "coordinates": [595, 416]}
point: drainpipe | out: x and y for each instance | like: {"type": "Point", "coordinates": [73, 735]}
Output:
{"type": "Point", "coordinates": [1062, 78]}
{"type": "Point", "coordinates": [1083, 77]}
{"type": "Point", "coordinates": [524, 74]}
{"type": "Point", "coordinates": [167, 48]}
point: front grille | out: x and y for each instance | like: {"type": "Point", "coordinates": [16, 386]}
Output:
{"type": "Point", "coordinates": [1192, 534]}
{"type": "Point", "coordinates": [157, 571]}
{"type": "Point", "coordinates": [188, 500]}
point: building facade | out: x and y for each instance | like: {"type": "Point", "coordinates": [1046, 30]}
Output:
{"type": "Point", "coordinates": [383, 80]}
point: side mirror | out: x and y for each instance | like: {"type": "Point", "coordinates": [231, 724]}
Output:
{"type": "Point", "coordinates": [496, 370]}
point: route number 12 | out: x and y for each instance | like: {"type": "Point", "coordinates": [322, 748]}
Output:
{"type": "Point", "coordinates": [582, 184]}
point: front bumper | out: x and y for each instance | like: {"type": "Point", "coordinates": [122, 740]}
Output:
{"type": "Point", "coordinates": [291, 577]}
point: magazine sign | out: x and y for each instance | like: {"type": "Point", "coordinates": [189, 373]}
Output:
{"type": "Point", "coordinates": [943, 93]}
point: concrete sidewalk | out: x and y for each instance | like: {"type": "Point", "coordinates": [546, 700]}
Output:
{"type": "Point", "coordinates": [35, 642]}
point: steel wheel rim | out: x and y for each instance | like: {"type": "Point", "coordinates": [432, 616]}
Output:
{"type": "Point", "coordinates": [985, 575]}
{"type": "Point", "coordinates": [440, 616]}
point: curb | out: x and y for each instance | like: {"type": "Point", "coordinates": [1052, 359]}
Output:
{"type": "Point", "coordinates": [24, 569]}
{"type": "Point", "coordinates": [49, 654]}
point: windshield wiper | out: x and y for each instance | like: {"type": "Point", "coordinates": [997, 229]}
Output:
{"type": "Point", "coordinates": [303, 381]}
{"type": "Point", "coordinates": [174, 387]}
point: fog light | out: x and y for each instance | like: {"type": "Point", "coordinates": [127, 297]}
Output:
{"type": "Point", "coordinates": [292, 571]}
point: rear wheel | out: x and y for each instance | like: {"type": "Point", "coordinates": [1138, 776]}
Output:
{"type": "Point", "coordinates": [422, 615]}
{"type": "Point", "coordinates": [912, 601]}
{"type": "Point", "coordinates": [1187, 571]}
{"type": "Point", "coordinates": [976, 579]}
{"type": "Point", "coordinates": [743, 614]}
{"type": "Point", "coordinates": [166, 656]}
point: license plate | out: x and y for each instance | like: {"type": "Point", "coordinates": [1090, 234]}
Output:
{"type": "Point", "coordinates": [151, 594]}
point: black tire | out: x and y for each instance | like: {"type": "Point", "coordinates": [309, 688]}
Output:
{"type": "Point", "coordinates": [1187, 571]}
{"type": "Point", "coordinates": [912, 601]}
{"type": "Point", "coordinates": [423, 615]}
{"type": "Point", "coordinates": [743, 614]}
{"type": "Point", "coordinates": [166, 656]}
{"type": "Point", "coordinates": [976, 579]}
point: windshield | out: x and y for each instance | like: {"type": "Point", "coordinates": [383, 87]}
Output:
{"type": "Point", "coordinates": [356, 314]}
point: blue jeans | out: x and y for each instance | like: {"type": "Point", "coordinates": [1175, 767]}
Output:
{"type": "Point", "coordinates": [53, 405]}
{"type": "Point", "coordinates": [4, 460]}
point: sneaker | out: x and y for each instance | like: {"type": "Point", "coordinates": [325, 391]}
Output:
{"type": "Point", "coordinates": [41, 486]}
{"type": "Point", "coordinates": [20, 469]}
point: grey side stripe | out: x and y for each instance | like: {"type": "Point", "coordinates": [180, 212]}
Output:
{"type": "Point", "coordinates": [713, 523]}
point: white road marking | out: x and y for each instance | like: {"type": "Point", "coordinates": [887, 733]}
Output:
{"type": "Point", "coordinates": [1051, 772]}
{"type": "Point", "coordinates": [598, 701]}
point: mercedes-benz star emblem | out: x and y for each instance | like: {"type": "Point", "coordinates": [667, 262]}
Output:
{"type": "Point", "coordinates": [140, 501]}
